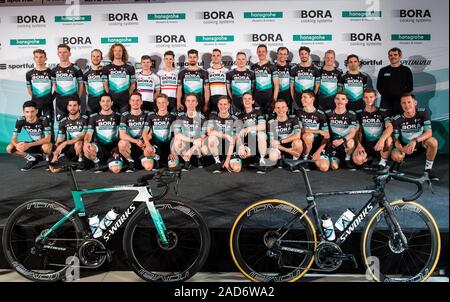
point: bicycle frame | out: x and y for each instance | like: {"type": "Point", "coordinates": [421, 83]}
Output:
{"type": "Point", "coordinates": [144, 196]}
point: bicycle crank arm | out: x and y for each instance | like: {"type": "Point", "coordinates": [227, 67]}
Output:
{"type": "Point", "coordinates": [346, 257]}
{"type": "Point", "coordinates": [298, 251]}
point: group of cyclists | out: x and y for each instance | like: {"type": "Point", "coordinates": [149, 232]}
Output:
{"type": "Point", "coordinates": [229, 119]}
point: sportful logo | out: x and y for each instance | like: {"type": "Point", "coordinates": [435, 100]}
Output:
{"type": "Point", "coordinates": [2, 66]}
{"type": "Point", "coordinates": [123, 40]}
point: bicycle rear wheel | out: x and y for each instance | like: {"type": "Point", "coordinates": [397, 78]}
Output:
{"type": "Point", "coordinates": [265, 248]}
{"type": "Point", "coordinates": [387, 259]}
{"type": "Point", "coordinates": [188, 248]}
{"type": "Point", "coordinates": [48, 260]}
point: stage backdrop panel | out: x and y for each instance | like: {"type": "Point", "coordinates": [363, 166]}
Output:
{"type": "Point", "coordinates": [366, 28]}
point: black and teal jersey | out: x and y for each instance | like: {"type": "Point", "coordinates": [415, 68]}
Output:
{"type": "Point", "coordinates": [93, 79]}
{"type": "Point", "coordinates": [133, 124]}
{"type": "Point", "coordinates": [304, 78]}
{"type": "Point", "coordinates": [161, 126]}
{"type": "Point", "coordinates": [340, 124]}
{"type": "Point", "coordinates": [263, 76]}
{"type": "Point", "coordinates": [241, 81]}
{"type": "Point", "coordinates": [316, 120]}
{"type": "Point", "coordinates": [67, 80]}
{"type": "Point", "coordinates": [223, 125]}
{"type": "Point", "coordinates": [278, 130]}
{"type": "Point", "coordinates": [406, 129]}
{"type": "Point", "coordinates": [372, 124]}
{"type": "Point", "coordinates": [251, 119]}
{"type": "Point", "coordinates": [353, 85]}
{"type": "Point", "coordinates": [40, 83]}
{"type": "Point", "coordinates": [36, 131]}
{"type": "Point", "coordinates": [69, 129]}
{"type": "Point", "coordinates": [191, 127]}
{"type": "Point", "coordinates": [329, 83]}
{"type": "Point", "coordinates": [283, 73]}
{"type": "Point", "coordinates": [193, 81]}
{"type": "Point", "coordinates": [119, 77]}
{"type": "Point", "coordinates": [104, 128]}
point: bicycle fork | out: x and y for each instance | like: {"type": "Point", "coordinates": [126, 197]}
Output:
{"type": "Point", "coordinates": [393, 224]}
{"type": "Point", "coordinates": [157, 221]}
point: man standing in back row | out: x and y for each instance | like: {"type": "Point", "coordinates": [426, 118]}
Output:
{"type": "Point", "coordinates": [393, 81]}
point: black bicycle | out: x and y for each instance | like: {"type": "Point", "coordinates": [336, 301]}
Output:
{"type": "Point", "coordinates": [164, 240]}
{"type": "Point", "coordinates": [274, 240]}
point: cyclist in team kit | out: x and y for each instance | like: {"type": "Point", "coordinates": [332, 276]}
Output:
{"type": "Point", "coordinates": [251, 139]}
{"type": "Point", "coordinates": [193, 79]}
{"type": "Point", "coordinates": [147, 84]}
{"type": "Point", "coordinates": [413, 135]}
{"type": "Point", "coordinates": [328, 82]}
{"type": "Point", "coordinates": [93, 81]}
{"type": "Point", "coordinates": [168, 77]}
{"type": "Point", "coordinates": [131, 144]}
{"type": "Point", "coordinates": [158, 134]}
{"type": "Point", "coordinates": [264, 71]}
{"type": "Point", "coordinates": [101, 138]}
{"type": "Point", "coordinates": [71, 131]}
{"type": "Point", "coordinates": [282, 77]}
{"type": "Point", "coordinates": [119, 78]}
{"type": "Point", "coordinates": [284, 135]}
{"type": "Point", "coordinates": [221, 138]}
{"type": "Point", "coordinates": [39, 85]}
{"type": "Point", "coordinates": [304, 76]}
{"type": "Point", "coordinates": [239, 81]}
{"type": "Point", "coordinates": [38, 143]}
{"type": "Point", "coordinates": [374, 139]}
{"type": "Point", "coordinates": [67, 81]}
{"type": "Point", "coordinates": [217, 79]}
{"type": "Point", "coordinates": [189, 133]}
{"type": "Point", "coordinates": [353, 83]}
{"type": "Point", "coordinates": [342, 125]}
{"type": "Point", "coordinates": [315, 134]}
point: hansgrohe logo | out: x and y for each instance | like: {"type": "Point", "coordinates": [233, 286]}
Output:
{"type": "Point", "coordinates": [411, 37]}
{"type": "Point", "coordinates": [27, 42]}
{"type": "Point", "coordinates": [361, 14]}
{"type": "Point", "coordinates": [263, 15]}
{"type": "Point", "coordinates": [167, 16]}
{"type": "Point", "coordinates": [214, 38]}
{"type": "Point", "coordinates": [302, 38]}
{"type": "Point", "coordinates": [60, 19]}
{"type": "Point", "coordinates": [114, 40]}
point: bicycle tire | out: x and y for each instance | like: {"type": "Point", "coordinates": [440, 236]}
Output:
{"type": "Point", "coordinates": [20, 249]}
{"type": "Point", "coordinates": [153, 262]}
{"type": "Point", "coordinates": [253, 271]}
{"type": "Point", "coordinates": [376, 236]}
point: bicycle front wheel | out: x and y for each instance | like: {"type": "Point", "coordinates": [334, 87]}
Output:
{"type": "Point", "coordinates": [273, 240]}
{"type": "Point", "coordinates": [387, 259]}
{"type": "Point", "coordinates": [47, 260]}
{"type": "Point", "coordinates": [181, 258]}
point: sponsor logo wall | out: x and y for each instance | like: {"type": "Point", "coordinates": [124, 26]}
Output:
{"type": "Point", "coordinates": [419, 28]}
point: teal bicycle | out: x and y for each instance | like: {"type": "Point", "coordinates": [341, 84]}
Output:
{"type": "Point", "coordinates": [162, 241]}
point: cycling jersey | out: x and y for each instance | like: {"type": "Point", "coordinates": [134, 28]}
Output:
{"type": "Point", "coordinates": [94, 84]}
{"type": "Point", "coordinates": [160, 127]}
{"type": "Point", "coordinates": [217, 81]}
{"type": "Point", "coordinates": [119, 77]}
{"type": "Point", "coordinates": [40, 82]}
{"type": "Point", "coordinates": [223, 125]}
{"type": "Point", "coordinates": [36, 131]}
{"type": "Point", "coordinates": [69, 129]}
{"type": "Point", "coordinates": [104, 127]}
{"type": "Point", "coordinates": [133, 124]}
{"type": "Point", "coordinates": [303, 78]}
{"type": "Point", "coordinates": [280, 130]}
{"type": "Point", "coordinates": [373, 123]}
{"type": "Point", "coordinates": [340, 124]}
{"type": "Point", "coordinates": [407, 129]}
{"type": "Point", "coordinates": [147, 84]}
{"type": "Point", "coordinates": [354, 85]}
{"type": "Point", "coordinates": [283, 74]}
{"type": "Point", "coordinates": [329, 82]}
{"type": "Point", "coordinates": [240, 82]}
{"type": "Point", "coordinates": [316, 120]}
{"type": "Point", "coordinates": [168, 82]}
{"type": "Point", "coordinates": [67, 80]}
{"type": "Point", "coordinates": [193, 81]}
{"type": "Point", "coordinates": [191, 127]}
{"type": "Point", "coordinates": [253, 118]}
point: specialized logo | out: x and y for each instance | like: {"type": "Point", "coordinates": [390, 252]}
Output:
{"type": "Point", "coordinates": [413, 15]}
{"type": "Point", "coordinates": [315, 16]}
{"type": "Point", "coordinates": [349, 230]}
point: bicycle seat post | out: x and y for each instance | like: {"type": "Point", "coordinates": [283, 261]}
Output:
{"type": "Point", "coordinates": [309, 191]}
{"type": "Point", "coordinates": [72, 180]}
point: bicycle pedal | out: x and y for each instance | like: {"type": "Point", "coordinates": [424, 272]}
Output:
{"type": "Point", "coordinates": [109, 255]}
{"type": "Point", "coordinates": [352, 258]}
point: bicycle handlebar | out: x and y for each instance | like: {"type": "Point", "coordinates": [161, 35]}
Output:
{"type": "Point", "coordinates": [163, 177]}
{"type": "Point", "coordinates": [419, 182]}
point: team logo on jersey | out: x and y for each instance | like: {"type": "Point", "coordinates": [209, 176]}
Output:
{"type": "Point", "coordinates": [412, 15]}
